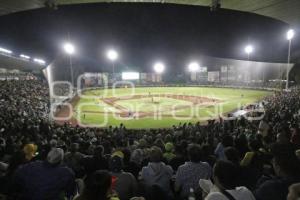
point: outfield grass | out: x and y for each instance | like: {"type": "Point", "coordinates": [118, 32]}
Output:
{"type": "Point", "coordinates": [93, 106]}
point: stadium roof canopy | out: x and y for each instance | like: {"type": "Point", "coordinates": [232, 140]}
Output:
{"type": "Point", "coordinates": [284, 10]}
{"type": "Point", "coordinates": [15, 63]}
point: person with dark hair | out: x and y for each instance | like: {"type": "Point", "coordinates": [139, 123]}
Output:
{"type": "Point", "coordinates": [97, 186]}
{"type": "Point", "coordinates": [157, 173]}
{"type": "Point", "coordinates": [232, 155]}
{"type": "Point", "coordinates": [179, 158]}
{"type": "Point", "coordinates": [17, 159]}
{"type": "Point", "coordinates": [225, 176]}
{"type": "Point", "coordinates": [226, 141]}
{"type": "Point", "coordinates": [295, 136]}
{"type": "Point", "coordinates": [189, 174]}
{"type": "Point", "coordinates": [241, 144]}
{"type": "Point", "coordinates": [126, 184]}
{"type": "Point", "coordinates": [252, 164]}
{"type": "Point", "coordinates": [208, 154]}
{"type": "Point", "coordinates": [282, 138]}
{"type": "Point", "coordinates": [45, 179]}
{"type": "Point", "coordinates": [96, 161]}
{"type": "Point", "coordinates": [73, 159]}
{"type": "Point", "coordinates": [254, 156]}
{"type": "Point", "coordinates": [286, 167]}
{"type": "Point", "coordinates": [134, 162]}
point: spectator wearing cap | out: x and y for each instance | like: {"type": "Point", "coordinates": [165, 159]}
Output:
{"type": "Point", "coordinates": [169, 155]}
{"type": "Point", "coordinates": [286, 167]}
{"type": "Point", "coordinates": [189, 174]}
{"type": "Point", "coordinates": [126, 184]}
{"type": "Point", "coordinates": [157, 174]}
{"type": "Point", "coordinates": [45, 179]}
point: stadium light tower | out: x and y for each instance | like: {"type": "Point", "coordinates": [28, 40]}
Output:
{"type": "Point", "coordinates": [289, 36]}
{"type": "Point", "coordinates": [69, 49]}
{"type": "Point", "coordinates": [112, 55]}
{"type": "Point", "coordinates": [248, 50]}
{"type": "Point", "coordinates": [159, 67]}
{"type": "Point", "coordinates": [193, 67]}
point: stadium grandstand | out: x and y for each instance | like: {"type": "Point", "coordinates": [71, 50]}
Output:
{"type": "Point", "coordinates": [178, 110]}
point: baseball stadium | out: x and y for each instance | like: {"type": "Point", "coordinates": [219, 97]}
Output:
{"type": "Point", "coordinates": [160, 107]}
{"type": "Point", "coordinates": [149, 100]}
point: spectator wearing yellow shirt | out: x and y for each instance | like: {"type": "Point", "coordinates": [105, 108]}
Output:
{"type": "Point", "coordinates": [169, 155]}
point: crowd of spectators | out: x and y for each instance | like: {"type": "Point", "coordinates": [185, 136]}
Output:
{"type": "Point", "coordinates": [228, 158]}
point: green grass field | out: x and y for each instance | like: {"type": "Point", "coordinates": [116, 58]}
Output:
{"type": "Point", "coordinates": [93, 109]}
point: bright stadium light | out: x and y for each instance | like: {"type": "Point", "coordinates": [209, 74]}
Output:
{"type": "Point", "coordinates": [5, 50]}
{"type": "Point", "coordinates": [290, 34]}
{"type": "Point", "coordinates": [194, 67]}
{"type": "Point", "coordinates": [159, 67]}
{"type": "Point", "coordinates": [69, 48]}
{"type": "Point", "coordinates": [24, 56]}
{"type": "Point", "coordinates": [249, 49]}
{"type": "Point", "coordinates": [112, 55]}
{"type": "Point", "coordinates": [40, 61]}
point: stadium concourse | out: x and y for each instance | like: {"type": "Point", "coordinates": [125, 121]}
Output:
{"type": "Point", "coordinates": [245, 159]}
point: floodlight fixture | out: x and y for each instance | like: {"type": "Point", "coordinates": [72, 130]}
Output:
{"type": "Point", "coordinates": [290, 34]}
{"type": "Point", "coordinates": [249, 49]}
{"type": "Point", "coordinates": [159, 67]}
{"type": "Point", "coordinates": [112, 55]}
{"type": "Point", "coordinates": [69, 48]}
{"type": "Point", "coordinates": [194, 67]}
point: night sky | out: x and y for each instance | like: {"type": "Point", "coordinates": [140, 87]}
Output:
{"type": "Point", "coordinates": [143, 33]}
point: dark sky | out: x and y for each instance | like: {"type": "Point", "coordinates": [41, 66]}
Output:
{"type": "Point", "coordinates": [143, 33]}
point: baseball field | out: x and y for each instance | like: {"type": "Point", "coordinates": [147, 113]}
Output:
{"type": "Point", "coordinates": [159, 107]}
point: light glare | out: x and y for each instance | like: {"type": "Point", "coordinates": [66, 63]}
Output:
{"type": "Point", "coordinates": [290, 34]}
{"type": "Point", "coordinates": [69, 48]}
{"type": "Point", "coordinates": [249, 49]}
{"type": "Point", "coordinates": [40, 61]}
{"type": "Point", "coordinates": [194, 67]}
{"type": "Point", "coordinates": [159, 67]}
{"type": "Point", "coordinates": [25, 56]}
{"type": "Point", "coordinates": [5, 50]}
{"type": "Point", "coordinates": [112, 55]}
